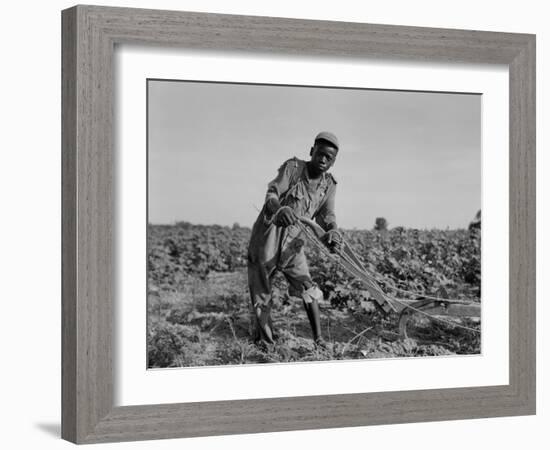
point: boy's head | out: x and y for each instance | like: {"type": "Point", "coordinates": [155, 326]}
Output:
{"type": "Point", "coordinates": [324, 151]}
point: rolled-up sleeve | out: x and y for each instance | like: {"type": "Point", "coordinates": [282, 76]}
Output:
{"type": "Point", "coordinates": [327, 217]}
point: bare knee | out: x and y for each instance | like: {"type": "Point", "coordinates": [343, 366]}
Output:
{"type": "Point", "coordinates": [312, 294]}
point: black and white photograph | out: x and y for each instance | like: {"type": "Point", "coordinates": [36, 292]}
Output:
{"type": "Point", "coordinates": [290, 224]}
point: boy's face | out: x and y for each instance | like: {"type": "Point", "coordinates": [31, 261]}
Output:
{"type": "Point", "coordinates": [323, 156]}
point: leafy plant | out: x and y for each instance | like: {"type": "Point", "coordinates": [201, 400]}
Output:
{"type": "Point", "coordinates": [197, 279]}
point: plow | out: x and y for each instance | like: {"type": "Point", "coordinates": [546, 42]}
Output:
{"type": "Point", "coordinates": [438, 308]}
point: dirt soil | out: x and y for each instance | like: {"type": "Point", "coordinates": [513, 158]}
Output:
{"type": "Point", "coordinates": [208, 322]}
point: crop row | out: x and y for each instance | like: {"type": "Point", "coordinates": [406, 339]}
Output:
{"type": "Point", "coordinates": [416, 261]}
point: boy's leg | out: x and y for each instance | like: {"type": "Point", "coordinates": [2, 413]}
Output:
{"type": "Point", "coordinates": [311, 305]}
{"type": "Point", "coordinates": [301, 285]}
{"type": "Point", "coordinates": [259, 284]}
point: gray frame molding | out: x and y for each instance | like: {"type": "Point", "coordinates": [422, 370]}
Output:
{"type": "Point", "coordinates": [89, 36]}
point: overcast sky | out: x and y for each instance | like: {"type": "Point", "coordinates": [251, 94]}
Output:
{"type": "Point", "coordinates": [411, 157]}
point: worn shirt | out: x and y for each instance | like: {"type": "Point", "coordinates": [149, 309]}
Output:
{"type": "Point", "coordinates": [307, 197]}
{"type": "Point", "coordinates": [312, 198]}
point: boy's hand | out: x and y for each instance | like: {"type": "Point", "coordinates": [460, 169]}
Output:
{"type": "Point", "coordinates": [285, 217]}
{"type": "Point", "coordinates": [333, 239]}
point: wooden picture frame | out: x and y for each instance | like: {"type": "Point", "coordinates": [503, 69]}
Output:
{"type": "Point", "coordinates": [89, 37]}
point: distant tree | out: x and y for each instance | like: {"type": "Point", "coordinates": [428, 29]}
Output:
{"type": "Point", "coordinates": [236, 226]}
{"type": "Point", "coordinates": [380, 224]}
{"type": "Point", "coordinates": [476, 223]}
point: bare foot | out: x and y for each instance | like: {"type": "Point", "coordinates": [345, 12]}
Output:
{"type": "Point", "coordinates": [320, 343]}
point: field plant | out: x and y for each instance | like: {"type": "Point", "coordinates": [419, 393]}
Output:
{"type": "Point", "coordinates": [198, 301]}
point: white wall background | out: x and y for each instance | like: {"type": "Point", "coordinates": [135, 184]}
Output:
{"type": "Point", "coordinates": [31, 237]}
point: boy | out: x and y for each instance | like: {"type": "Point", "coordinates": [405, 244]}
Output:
{"type": "Point", "coordinates": [300, 189]}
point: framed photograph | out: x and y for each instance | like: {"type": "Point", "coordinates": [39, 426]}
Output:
{"type": "Point", "coordinates": [268, 222]}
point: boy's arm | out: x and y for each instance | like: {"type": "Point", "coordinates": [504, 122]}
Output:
{"type": "Point", "coordinates": [277, 187]}
{"type": "Point", "coordinates": [327, 217]}
{"type": "Point", "coordinates": [327, 220]}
